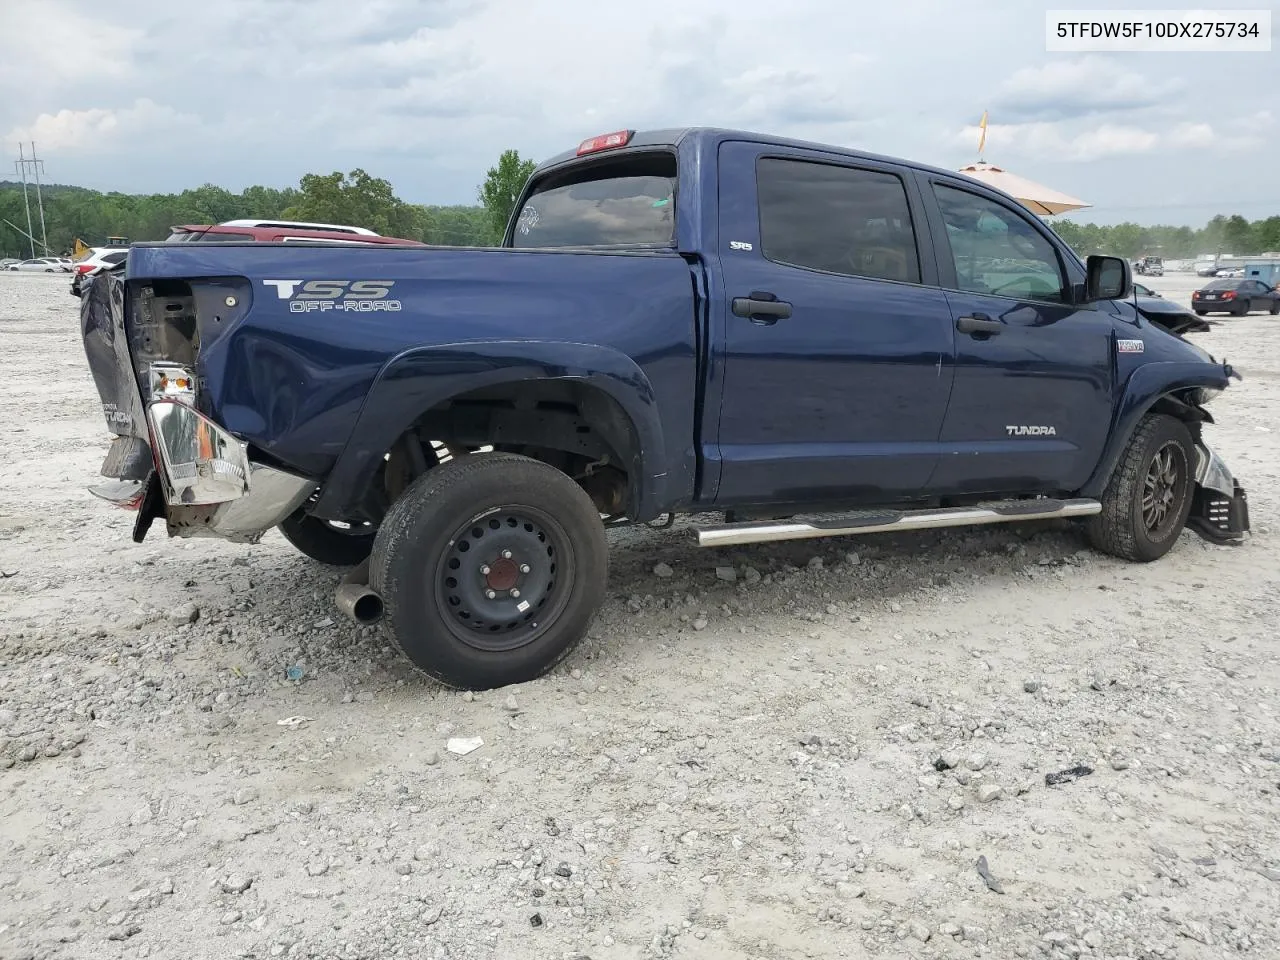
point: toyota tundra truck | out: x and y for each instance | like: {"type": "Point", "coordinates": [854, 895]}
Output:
{"type": "Point", "coordinates": [803, 340]}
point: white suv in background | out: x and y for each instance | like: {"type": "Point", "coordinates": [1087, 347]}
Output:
{"type": "Point", "coordinates": [98, 258]}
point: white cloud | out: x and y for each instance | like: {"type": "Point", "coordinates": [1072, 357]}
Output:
{"type": "Point", "coordinates": [100, 130]}
{"type": "Point", "coordinates": [1062, 89]}
{"type": "Point", "coordinates": [1057, 141]}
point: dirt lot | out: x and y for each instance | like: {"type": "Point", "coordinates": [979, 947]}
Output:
{"type": "Point", "coordinates": [727, 769]}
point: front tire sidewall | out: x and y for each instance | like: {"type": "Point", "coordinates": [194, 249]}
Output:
{"type": "Point", "coordinates": [418, 532]}
{"type": "Point", "coordinates": [1121, 529]}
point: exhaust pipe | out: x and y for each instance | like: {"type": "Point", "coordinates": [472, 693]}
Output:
{"type": "Point", "coordinates": [357, 599]}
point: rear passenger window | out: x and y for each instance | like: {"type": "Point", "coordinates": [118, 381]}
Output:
{"type": "Point", "coordinates": [836, 219]}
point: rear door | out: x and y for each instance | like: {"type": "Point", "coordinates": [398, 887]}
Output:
{"type": "Point", "coordinates": [1032, 400]}
{"type": "Point", "coordinates": [837, 351]}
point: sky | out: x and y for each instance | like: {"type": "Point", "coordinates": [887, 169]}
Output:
{"type": "Point", "coordinates": [148, 96]}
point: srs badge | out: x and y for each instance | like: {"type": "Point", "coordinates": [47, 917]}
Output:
{"type": "Point", "coordinates": [1130, 346]}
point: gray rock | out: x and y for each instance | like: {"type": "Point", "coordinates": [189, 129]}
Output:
{"type": "Point", "coordinates": [663, 570]}
{"type": "Point", "coordinates": [949, 760]}
{"type": "Point", "coordinates": [431, 758]}
{"type": "Point", "coordinates": [976, 761]}
{"type": "Point", "coordinates": [920, 932]}
{"type": "Point", "coordinates": [815, 563]}
{"type": "Point", "coordinates": [244, 795]}
{"type": "Point", "coordinates": [317, 868]}
{"type": "Point", "coordinates": [124, 933]}
{"type": "Point", "coordinates": [236, 883]}
{"type": "Point", "coordinates": [1031, 686]}
{"type": "Point", "coordinates": [989, 792]}
{"type": "Point", "coordinates": [751, 575]}
{"type": "Point", "coordinates": [974, 934]}
{"type": "Point", "coordinates": [404, 869]}
{"type": "Point", "coordinates": [187, 613]}
{"type": "Point", "coordinates": [955, 802]}
{"type": "Point", "coordinates": [700, 623]}
{"type": "Point", "coordinates": [28, 753]}
{"type": "Point", "coordinates": [1098, 681]}
{"type": "Point", "coordinates": [727, 574]}
{"type": "Point", "coordinates": [1119, 762]}
{"type": "Point", "coordinates": [511, 705]}
{"type": "Point", "coordinates": [230, 917]}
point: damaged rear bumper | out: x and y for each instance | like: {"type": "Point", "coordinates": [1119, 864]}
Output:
{"type": "Point", "coordinates": [201, 480]}
{"type": "Point", "coordinates": [1219, 506]}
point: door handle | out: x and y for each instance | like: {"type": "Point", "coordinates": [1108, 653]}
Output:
{"type": "Point", "coordinates": [979, 324]}
{"type": "Point", "coordinates": [761, 308]}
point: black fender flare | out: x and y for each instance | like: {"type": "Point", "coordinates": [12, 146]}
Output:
{"type": "Point", "coordinates": [1148, 386]}
{"type": "Point", "coordinates": [418, 379]}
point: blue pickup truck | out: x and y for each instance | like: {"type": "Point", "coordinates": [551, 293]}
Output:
{"type": "Point", "coordinates": [805, 340]}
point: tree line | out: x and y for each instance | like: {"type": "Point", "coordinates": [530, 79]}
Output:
{"type": "Point", "coordinates": [355, 198]}
{"type": "Point", "coordinates": [361, 199]}
{"type": "Point", "coordinates": [1221, 235]}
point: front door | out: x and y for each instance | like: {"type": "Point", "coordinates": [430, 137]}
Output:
{"type": "Point", "coordinates": [1032, 401]}
{"type": "Point", "coordinates": [837, 347]}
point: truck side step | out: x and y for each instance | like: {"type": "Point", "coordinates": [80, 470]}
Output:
{"type": "Point", "coordinates": [889, 521]}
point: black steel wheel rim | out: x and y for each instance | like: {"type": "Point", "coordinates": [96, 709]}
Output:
{"type": "Point", "coordinates": [1163, 488]}
{"type": "Point", "coordinates": [503, 578]}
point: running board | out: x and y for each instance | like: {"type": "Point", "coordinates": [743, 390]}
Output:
{"type": "Point", "coordinates": [889, 521]}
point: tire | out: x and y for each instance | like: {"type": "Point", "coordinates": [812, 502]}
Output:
{"type": "Point", "coordinates": [1201, 313]}
{"type": "Point", "coordinates": [324, 543]}
{"type": "Point", "coordinates": [465, 610]}
{"type": "Point", "coordinates": [1242, 310]}
{"type": "Point", "coordinates": [1275, 308]}
{"type": "Point", "coordinates": [1123, 529]}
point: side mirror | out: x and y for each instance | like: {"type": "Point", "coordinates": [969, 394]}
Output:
{"type": "Point", "coordinates": [1107, 278]}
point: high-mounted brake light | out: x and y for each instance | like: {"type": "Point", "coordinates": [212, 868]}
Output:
{"type": "Point", "coordinates": [606, 141]}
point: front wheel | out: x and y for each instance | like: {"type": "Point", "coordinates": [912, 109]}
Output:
{"type": "Point", "coordinates": [1275, 307]}
{"type": "Point", "coordinates": [1148, 498]}
{"type": "Point", "coordinates": [491, 567]}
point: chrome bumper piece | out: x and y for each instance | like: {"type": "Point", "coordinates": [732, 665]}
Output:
{"type": "Point", "coordinates": [206, 481]}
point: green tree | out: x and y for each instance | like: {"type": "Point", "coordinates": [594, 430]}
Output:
{"type": "Point", "coordinates": [500, 190]}
{"type": "Point", "coordinates": [357, 199]}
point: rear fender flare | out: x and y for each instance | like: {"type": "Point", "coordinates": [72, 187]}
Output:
{"type": "Point", "coordinates": [416, 380]}
{"type": "Point", "coordinates": [1146, 387]}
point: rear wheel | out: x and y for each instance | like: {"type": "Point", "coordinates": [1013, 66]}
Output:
{"type": "Point", "coordinates": [1275, 307]}
{"type": "Point", "coordinates": [491, 568]}
{"type": "Point", "coordinates": [1241, 310]}
{"type": "Point", "coordinates": [1201, 313]}
{"type": "Point", "coordinates": [1148, 498]}
{"type": "Point", "coordinates": [325, 542]}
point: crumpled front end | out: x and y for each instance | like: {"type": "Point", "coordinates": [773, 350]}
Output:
{"type": "Point", "coordinates": [168, 459]}
{"type": "Point", "coordinates": [1219, 506]}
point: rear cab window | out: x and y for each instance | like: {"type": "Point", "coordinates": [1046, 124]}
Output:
{"type": "Point", "coordinates": [836, 219]}
{"type": "Point", "coordinates": [624, 201]}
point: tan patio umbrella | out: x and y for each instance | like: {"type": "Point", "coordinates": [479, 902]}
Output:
{"type": "Point", "coordinates": [1036, 197]}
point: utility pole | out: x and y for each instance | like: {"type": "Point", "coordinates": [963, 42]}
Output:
{"type": "Point", "coordinates": [21, 165]}
{"type": "Point", "coordinates": [36, 166]}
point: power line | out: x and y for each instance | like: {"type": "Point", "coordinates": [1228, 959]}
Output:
{"type": "Point", "coordinates": [36, 166]}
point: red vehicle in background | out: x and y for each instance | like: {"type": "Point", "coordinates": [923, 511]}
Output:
{"type": "Point", "coordinates": [280, 231]}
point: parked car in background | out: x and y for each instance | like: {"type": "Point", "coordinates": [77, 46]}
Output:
{"type": "Point", "coordinates": [1206, 268]}
{"type": "Point", "coordinates": [97, 259]}
{"type": "Point", "coordinates": [1230, 272]}
{"type": "Point", "coordinates": [1235, 296]}
{"type": "Point", "coordinates": [8, 262]}
{"type": "Point", "coordinates": [1149, 266]}
{"type": "Point", "coordinates": [280, 231]}
{"type": "Point", "coordinates": [40, 265]}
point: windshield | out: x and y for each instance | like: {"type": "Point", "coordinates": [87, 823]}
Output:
{"type": "Point", "coordinates": [631, 203]}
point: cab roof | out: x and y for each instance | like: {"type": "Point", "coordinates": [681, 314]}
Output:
{"type": "Point", "coordinates": [676, 136]}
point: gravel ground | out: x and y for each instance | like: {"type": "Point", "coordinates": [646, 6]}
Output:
{"type": "Point", "coordinates": [804, 756]}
